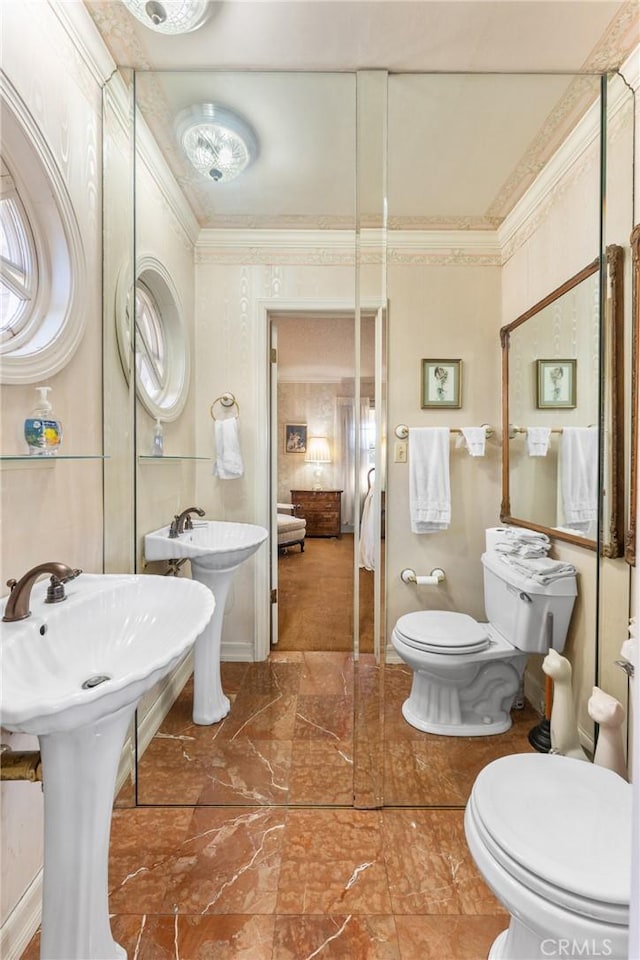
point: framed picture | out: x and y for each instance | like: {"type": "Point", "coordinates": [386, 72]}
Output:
{"type": "Point", "coordinates": [295, 438]}
{"type": "Point", "coordinates": [556, 381]}
{"type": "Point", "coordinates": [441, 383]}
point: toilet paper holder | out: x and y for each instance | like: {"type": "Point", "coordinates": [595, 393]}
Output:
{"type": "Point", "coordinates": [436, 577]}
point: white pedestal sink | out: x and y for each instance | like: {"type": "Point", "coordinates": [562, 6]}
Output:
{"type": "Point", "coordinates": [216, 548]}
{"type": "Point", "coordinates": [122, 634]}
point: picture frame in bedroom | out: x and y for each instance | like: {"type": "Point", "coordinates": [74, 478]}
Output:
{"type": "Point", "coordinates": [295, 438]}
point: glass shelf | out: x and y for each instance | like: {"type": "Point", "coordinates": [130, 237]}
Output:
{"type": "Point", "coordinates": [26, 458]}
{"type": "Point", "coordinates": [143, 458]}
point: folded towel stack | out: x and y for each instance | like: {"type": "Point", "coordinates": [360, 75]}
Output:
{"type": "Point", "coordinates": [541, 569]}
{"type": "Point", "coordinates": [516, 542]}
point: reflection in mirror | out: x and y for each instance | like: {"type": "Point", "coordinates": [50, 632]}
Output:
{"type": "Point", "coordinates": [118, 408]}
{"type": "Point", "coordinates": [630, 540]}
{"type": "Point", "coordinates": [286, 236]}
{"type": "Point", "coordinates": [551, 402]}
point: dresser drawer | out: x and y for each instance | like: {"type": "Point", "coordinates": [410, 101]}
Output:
{"type": "Point", "coordinates": [321, 509]}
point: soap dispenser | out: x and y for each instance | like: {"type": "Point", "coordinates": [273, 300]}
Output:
{"type": "Point", "coordinates": [42, 431]}
{"type": "Point", "coordinates": [157, 448]}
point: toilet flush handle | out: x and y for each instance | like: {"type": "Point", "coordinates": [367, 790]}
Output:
{"type": "Point", "coordinates": [436, 577]}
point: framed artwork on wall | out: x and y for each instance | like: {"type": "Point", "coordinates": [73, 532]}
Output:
{"type": "Point", "coordinates": [441, 383]}
{"type": "Point", "coordinates": [295, 438]}
{"type": "Point", "coordinates": [556, 384]}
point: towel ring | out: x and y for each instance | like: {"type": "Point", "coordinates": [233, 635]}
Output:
{"type": "Point", "coordinates": [226, 400]}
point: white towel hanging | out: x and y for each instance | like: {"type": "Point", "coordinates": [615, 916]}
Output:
{"type": "Point", "coordinates": [429, 485]}
{"type": "Point", "coordinates": [228, 463]}
{"type": "Point", "coordinates": [538, 441]}
{"type": "Point", "coordinates": [579, 468]}
{"type": "Point", "coordinates": [475, 439]}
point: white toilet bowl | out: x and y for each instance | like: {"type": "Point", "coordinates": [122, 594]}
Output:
{"type": "Point", "coordinates": [465, 674]}
{"type": "Point", "coordinates": [551, 837]}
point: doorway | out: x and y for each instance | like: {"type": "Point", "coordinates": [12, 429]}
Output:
{"type": "Point", "coordinates": [323, 452]}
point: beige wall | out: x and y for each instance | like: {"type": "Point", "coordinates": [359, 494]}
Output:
{"type": "Point", "coordinates": [443, 312]}
{"type": "Point", "coordinates": [560, 239]}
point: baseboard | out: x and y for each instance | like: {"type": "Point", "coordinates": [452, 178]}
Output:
{"type": "Point", "coordinates": [237, 651]}
{"type": "Point", "coordinates": [23, 921]}
{"type": "Point", "coordinates": [390, 655]}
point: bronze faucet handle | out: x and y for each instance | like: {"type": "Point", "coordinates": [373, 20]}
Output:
{"type": "Point", "coordinates": [11, 583]}
{"type": "Point", "coordinates": [55, 590]}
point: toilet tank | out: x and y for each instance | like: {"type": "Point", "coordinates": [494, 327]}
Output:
{"type": "Point", "coordinates": [519, 608]}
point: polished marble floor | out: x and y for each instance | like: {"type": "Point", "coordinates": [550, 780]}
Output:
{"type": "Point", "coordinates": [289, 739]}
{"type": "Point", "coordinates": [278, 883]}
{"type": "Point", "coordinates": [253, 849]}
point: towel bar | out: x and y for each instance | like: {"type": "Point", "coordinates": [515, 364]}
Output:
{"type": "Point", "coordinates": [227, 400]}
{"type": "Point", "coordinates": [402, 430]}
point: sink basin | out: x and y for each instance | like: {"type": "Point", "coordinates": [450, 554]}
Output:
{"type": "Point", "coordinates": [216, 549]}
{"type": "Point", "coordinates": [132, 630]}
{"type": "Point", "coordinates": [121, 634]}
{"type": "Point", "coordinates": [214, 544]}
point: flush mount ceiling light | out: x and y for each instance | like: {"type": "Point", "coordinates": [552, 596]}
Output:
{"type": "Point", "coordinates": [169, 16]}
{"type": "Point", "coordinates": [218, 142]}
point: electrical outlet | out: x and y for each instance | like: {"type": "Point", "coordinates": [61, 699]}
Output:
{"type": "Point", "coordinates": [400, 451]}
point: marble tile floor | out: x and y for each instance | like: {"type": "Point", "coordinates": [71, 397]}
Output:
{"type": "Point", "coordinates": [289, 739]}
{"type": "Point", "coordinates": [280, 883]}
{"type": "Point", "coordinates": [254, 850]}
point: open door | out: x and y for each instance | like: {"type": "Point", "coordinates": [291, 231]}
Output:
{"type": "Point", "coordinates": [273, 345]}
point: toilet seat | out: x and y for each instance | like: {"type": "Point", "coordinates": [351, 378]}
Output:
{"type": "Point", "coordinates": [442, 632]}
{"type": "Point", "coordinates": [585, 871]}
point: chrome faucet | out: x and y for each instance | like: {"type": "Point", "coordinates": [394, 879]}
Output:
{"type": "Point", "coordinates": [182, 521]}
{"type": "Point", "coordinates": [17, 607]}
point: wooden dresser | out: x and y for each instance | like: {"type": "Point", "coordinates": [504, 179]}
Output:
{"type": "Point", "coordinates": [321, 509]}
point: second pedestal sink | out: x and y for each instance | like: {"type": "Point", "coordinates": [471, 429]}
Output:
{"type": "Point", "coordinates": [73, 674]}
{"type": "Point", "coordinates": [216, 548]}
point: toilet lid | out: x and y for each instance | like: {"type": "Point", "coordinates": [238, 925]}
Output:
{"type": "Point", "coordinates": [442, 631]}
{"type": "Point", "coordinates": [564, 821]}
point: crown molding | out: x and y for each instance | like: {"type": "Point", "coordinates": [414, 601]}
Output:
{"type": "Point", "coordinates": [339, 246]}
{"type": "Point", "coordinates": [85, 36]}
{"type": "Point", "coordinates": [583, 137]}
{"type": "Point", "coordinates": [87, 40]}
{"type": "Point", "coordinates": [159, 170]}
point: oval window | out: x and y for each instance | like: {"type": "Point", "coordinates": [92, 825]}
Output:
{"type": "Point", "coordinates": [42, 267]}
{"type": "Point", "coordinates": [160, 340]}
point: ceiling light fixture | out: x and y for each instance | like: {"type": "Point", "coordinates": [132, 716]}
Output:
{"type": "Point", "coordinates": [169, 16]}
{"type": "Point", "coordinates": [218, 142]}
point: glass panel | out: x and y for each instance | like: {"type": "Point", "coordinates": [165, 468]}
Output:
{"type": "Point", "coordinates": [118, 412]}
{"type": "Point", "coordinates": [371, 408]}
{"type": "Point", "coordinates": [614, 573]}
{"type": "Point", "coordinates": [268, 256]}
{"type": "Point", "coordinates": [490, 209]}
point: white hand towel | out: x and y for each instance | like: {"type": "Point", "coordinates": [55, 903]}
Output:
{"type": "Point", "coordinates": [475, 439]}
{"type": "Point", "coordinates": [579, 468]}
{"type": "Point", "coordinates": [542, 570]}
{"type": "Point", "coordinates": [228, 463]}
{"type": "Point", "coordinates": [429, 487]}
{"type": "Point", "coordinates": [538, 441]}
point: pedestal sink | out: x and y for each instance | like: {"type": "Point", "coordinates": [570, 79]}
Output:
{"type": "Point", "coordinates": [216, 548]}
{"type": "Point", "coordinates": [73, 673]}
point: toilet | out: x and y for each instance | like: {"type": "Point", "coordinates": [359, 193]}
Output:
{"type": "Point", "coordinates": [466, 674]}
{"type": "Point", "coordinates": [552, 838]}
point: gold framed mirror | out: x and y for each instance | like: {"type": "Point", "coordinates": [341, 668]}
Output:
{"type": "Point", "coordinates": [563, 433]}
